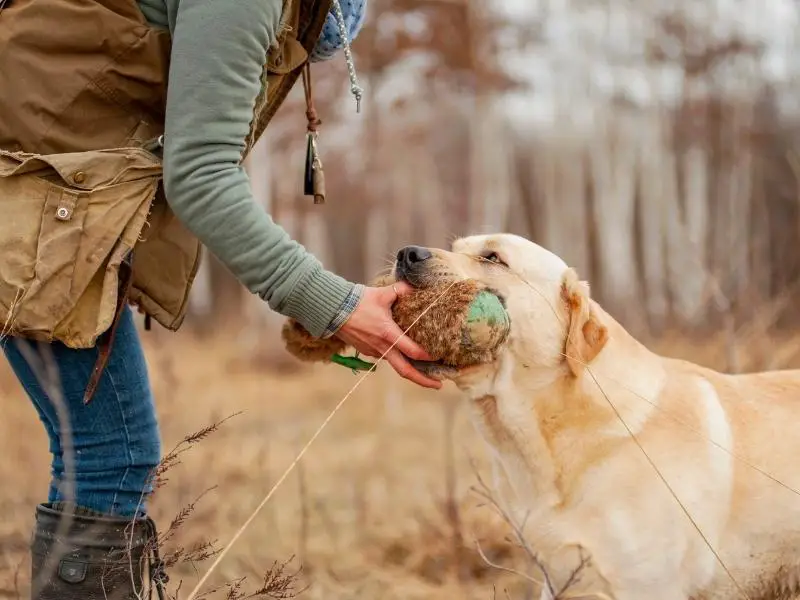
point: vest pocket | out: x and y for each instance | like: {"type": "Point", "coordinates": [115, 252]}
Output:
{"type": "Point", "coordinates": [68, 222]}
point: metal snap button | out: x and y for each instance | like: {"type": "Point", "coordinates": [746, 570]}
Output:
{"type": "Point", "coordinates": [72, 571]}
{"type": "Point", "coordinates": [79, 177]}
{"type": "Point", "coordinates": [63, 213]}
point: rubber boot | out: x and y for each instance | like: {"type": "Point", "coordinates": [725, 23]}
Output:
{"type": "Point", "coordinates": [77, 554]}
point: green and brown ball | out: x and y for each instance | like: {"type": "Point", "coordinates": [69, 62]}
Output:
{"type": "Point", "coordinates": [459, 325]}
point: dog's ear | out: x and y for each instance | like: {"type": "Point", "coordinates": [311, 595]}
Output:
{"type": "Point", "coordinates": [586, 336]}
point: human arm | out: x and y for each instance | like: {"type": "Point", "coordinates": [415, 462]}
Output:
{"type": "Point", "coordinates": [218, 53]}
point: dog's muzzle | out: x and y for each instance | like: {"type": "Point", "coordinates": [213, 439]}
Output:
{"type": "Point", "coordinates": [410, 263]}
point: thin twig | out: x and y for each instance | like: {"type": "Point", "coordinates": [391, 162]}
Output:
{"type": "Point", "coordinates": [494, 565]}
{"type": "Point", "coordinates": [45, 368]}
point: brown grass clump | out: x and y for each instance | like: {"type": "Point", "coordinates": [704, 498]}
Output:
{"type": "Point", "coordinates": [369, 490]}
{"type": "Point", "coordinates": [434, 317]}
{"type": "Point", "coordinates": [384, 505]}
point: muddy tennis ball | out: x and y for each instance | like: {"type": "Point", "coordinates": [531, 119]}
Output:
{"type": "Point", "coordinates": [458, 324]}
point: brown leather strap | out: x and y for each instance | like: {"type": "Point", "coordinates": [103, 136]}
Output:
{"type": "Point", "coordinates": [312, 119]}
{"type": "Point", "coordinates": [106, 341]}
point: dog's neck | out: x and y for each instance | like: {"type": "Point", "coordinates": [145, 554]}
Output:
{"type": "Point", "coordinates": [546, 426]}
{"type": "Point", "coordinates": [611, 382]}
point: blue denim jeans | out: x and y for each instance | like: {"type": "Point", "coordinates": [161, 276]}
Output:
{"type": "Point", "coordinates": [115, 437]}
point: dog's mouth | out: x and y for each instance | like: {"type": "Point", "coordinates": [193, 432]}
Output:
{"type": "Point", "coordinates": [424, 275]}
{"type": "Point", "coordinates": [414, 276]}
{"type": "Point", "coordinates": [430, 274]}
{"type": "Point", "coordinates": [435, 369]}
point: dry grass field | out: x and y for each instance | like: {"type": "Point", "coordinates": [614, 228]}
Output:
{"type": "Point", "coordinates": [382, 506]}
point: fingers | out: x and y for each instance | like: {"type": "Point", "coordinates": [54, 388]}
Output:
{"type": "Point", "coordinates": [373, 332]}
{"type": "Point", "coordinates": [405, 370]}
{"type": "Point", "coordinates": [394, 335]}
{"type": "Point", "coordinates": [395, 358]}
{"type": "Point", "coordinates": [377, 347]}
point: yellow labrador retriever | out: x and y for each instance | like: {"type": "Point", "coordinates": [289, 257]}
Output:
{"type": "Point", "coordinates": [677, 481]}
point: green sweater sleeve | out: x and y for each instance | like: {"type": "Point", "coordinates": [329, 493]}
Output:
{"type": "Point", "coordinates": [218, 53]}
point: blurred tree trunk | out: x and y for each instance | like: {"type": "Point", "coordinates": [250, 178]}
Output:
{"type": "Point", "coordinates": [574, 212]}
{"type": "Point", "coordinates": [432, 201]}
{"type": "Point", "coordinates": [531, 207]}
{"type": "Point", "coordinates": [686, 225]}
{"type": "Point", "coordinates": [613, 171]}
{"type": "Point", "coordinates": [688, 215]}
{"type": "Point", "coordinates": [489, 168]}
{"type": "Point", "coordinates": [733, 192]}
{"type": "Point", "coordinates": [560, 166]}
{"type": "Point", "coordinates": [518, 213]}
{"type": "Point", "coordinates": [657, 190]}
{"type": "Point", "coordinates": [690, 249]}
{"type": "Point", "coordinates": [760, 267]}
{"type": "Point", "coordinates": [378, 244]}
{"type": "Point", "coordinates": [545, 161]}
{"type": "Point", "coordinates": [346, 218]}
{"type": "Point", "coordinates": [401, 190]}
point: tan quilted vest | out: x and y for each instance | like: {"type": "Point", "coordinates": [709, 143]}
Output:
{"type": "Point", "coordinates": [83, 93]}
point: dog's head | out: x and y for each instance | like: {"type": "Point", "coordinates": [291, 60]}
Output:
{"type": "Point", "coordinates": [553, 323]}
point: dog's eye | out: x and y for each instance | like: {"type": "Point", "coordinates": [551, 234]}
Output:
{"type": "Point", "coordinates": [493, 257]}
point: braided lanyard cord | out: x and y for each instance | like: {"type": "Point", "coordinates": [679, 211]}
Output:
{"type": "Point", "coordinates": [314, 179]}
{"type": "Point", "coordinates": [355, 89]}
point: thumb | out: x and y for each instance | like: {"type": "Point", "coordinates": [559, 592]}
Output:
{"type": "Point", "coordinates": [389, 293]}
{"type": "Point", "coordinates": [400, 288]}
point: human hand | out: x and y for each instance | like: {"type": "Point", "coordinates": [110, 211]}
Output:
{"type": "Point", "coordinates": [372, 331]}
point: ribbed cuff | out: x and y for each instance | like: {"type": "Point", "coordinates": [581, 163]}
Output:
{"type": "Point", "coordinates": [317, 300]}
{"type": "Point", "coordinates": [345, 310]}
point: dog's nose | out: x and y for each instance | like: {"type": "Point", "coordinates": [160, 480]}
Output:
{"type": "Point", "coordinates": [410, 255]}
